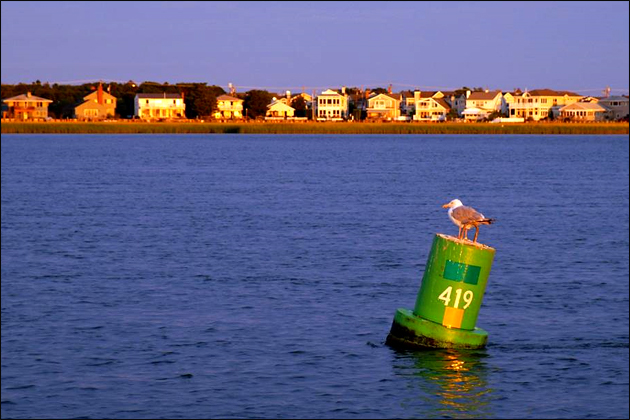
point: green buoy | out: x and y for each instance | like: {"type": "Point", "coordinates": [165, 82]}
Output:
{"type": "Point", "coordinates": [449, 299]}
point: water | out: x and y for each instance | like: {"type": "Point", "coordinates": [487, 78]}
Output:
{"type": "Point", "coordinates": [252, 276]}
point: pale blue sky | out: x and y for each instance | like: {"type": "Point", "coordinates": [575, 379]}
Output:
{"type": "Point", "coordinates": [577, 46]}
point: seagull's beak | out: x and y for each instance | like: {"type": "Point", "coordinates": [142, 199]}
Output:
{"type": "Point", "coordinates": [447, 205]}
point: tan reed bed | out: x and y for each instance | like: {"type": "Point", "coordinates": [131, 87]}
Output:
{"type": "Point", "coordinates": [309, 128]}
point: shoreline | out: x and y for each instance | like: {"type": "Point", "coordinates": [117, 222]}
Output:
{"type": "Point", "coordinates": [132, 127]}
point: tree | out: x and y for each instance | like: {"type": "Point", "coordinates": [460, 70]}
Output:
{"type": "Point", "coordinates": [299, 104]}
{"type": "Point", "coordinates": [379, 90]}
{"type": "Point", "coordinates": [256, 102]}
{"type": "Point", "coordinates": [125, 94]}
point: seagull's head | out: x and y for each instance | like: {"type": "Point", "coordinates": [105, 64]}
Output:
{"type": "Point", "coordinates": [452, 204]}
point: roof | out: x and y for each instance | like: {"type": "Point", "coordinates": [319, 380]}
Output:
{"type": "Point", "coordinates": [424, 94]}
{"type": "Point", "coordinates": [330, 92]}
{"type": "Point", "coordinates": [95, 94]}
{"type": "Point", "coordinates": [583, 106]}
{"type": "Point", "coordinates": [550, 92]}
{"type": "Point", "coordinates": [280, 105]}
{"type": "Point", "coordinates": [614, 98]}
{"type": "Point", "coordinates": [484, 95]}
{"type": "Point", "coordinates": [395, 96]}
{"type": "Point", "coordinates": [442, 102]}
{"type": "Point", "coordinates": [26, 97]}
{"type": "Point", "coordinates": [159, 96]}
{"type": "Point", "coordinates": [228, 98]}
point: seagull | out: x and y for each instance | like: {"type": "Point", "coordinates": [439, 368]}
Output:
{"type": "Point", "coordinates": [466, 217]}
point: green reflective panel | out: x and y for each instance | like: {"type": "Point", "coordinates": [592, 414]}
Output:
{"type": "Point", "coordinates": [457, 272]}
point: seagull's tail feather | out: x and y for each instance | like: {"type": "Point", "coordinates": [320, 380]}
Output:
{"type": "Point", "coordinates": [487, 221]}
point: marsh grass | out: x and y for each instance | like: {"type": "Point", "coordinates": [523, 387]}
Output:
{"type": "Point", "coordinates": [309, 128]}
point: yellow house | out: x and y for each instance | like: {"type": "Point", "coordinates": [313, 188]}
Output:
{"type": "Point", "coordinates": [26, 107]}
{"type": "Point", "coordinates": [430, 106]}
{"type": "Point", "coordinates": [539, 103]}
{"type": "Point", "coordinates": [383, 107]}
{"type": "Point", "coordinates": [278, 110]}
{"type": "Point", "coordinates": [97, 105]}
{"type": "Point", "coordinates": [583, 111]}
{"type": "Point", "coordinates": [159, 106]}
{"type": "Point", "coordinates": [228, 108]}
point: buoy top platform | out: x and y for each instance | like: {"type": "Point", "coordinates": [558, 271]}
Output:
{"type": "Point", "coordinates": [464, 241]}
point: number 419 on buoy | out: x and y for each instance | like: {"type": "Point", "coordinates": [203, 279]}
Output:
{"type": "Point", "coordinates": [446, 297]}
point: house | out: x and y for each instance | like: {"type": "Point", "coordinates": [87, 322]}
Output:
{"type": "Point", "coordinates": [358, 103]}
{"type": "Point", "coordinates": [332, 105]}
{"type": "Point", "coordinates": [456, 100]}
{"type": "Point", "coordinates": [229, 108]}
{"type": "Point", "coordinates": [26, 107]}
{"type": "Point", "coordinates": [583, 111]}
{"type": "Point", "coordinates": [278, 110]}
{"type": "Point", "coordinates": [617, 106]}
{"type": "Point", "coordinates": [159, 106]}
{"type": "Point", "coordinates": [407, 105]}
{"type": "Point", "coordinates": [430, 106]}
{"type": "Point", "coordinates": [480, 104]}
{"type": "Point", "coordinates": [303, 109]}
{"type": "Point", "coordinates": [97, 105]}
{"type": "Point", "coordinates": [383, 107]}
{"type": "Point", "coordinates": [539, 103]}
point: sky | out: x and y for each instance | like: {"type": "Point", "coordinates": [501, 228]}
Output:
{"type": "Point", "coordinates": [578, 46]}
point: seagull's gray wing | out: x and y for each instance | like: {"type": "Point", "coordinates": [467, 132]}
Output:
{"type": "Point", "coordinates": [467, 214]}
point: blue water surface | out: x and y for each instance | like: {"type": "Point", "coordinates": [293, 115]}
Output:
{"type": "Point", "coordinates": [257, 276]}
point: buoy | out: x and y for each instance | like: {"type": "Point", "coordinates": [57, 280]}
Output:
{"type": "Point", "coordinates": [449, 299]}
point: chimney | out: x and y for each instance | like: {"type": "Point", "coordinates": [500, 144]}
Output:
{"type": "Point", "coordinates": [343, 90]}
{"type": "Point", "coordinates": [389, 89]}
{"type": "Point", "coordinates": [367, 93]}
{"type": "Point", "coordinates": [99, 94]}
{"type": "Point", "coordinates": [288, 97]}
{"type": "Point", "coordinates": [467, 94]}
{"type": "Point", "coordinates": [416, 95]}
{"type": "Point", "coordinates": [28, 94]}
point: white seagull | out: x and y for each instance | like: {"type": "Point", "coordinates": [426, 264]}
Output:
{"type": "Point", "coordinates": [466, 217]}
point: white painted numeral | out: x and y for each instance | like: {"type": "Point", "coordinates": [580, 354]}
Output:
{"type": "Point", "coordinates": [445, 296]}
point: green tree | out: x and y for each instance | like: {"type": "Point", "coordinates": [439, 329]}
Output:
{"type": "Point", "coordinates": [200, 100]}
{"type": "Point", "coordinates": [256, 102]}
{"type": "Point", "coordinates": [379, 90]}
{"type": "Point", "coordinates": [299, 104]}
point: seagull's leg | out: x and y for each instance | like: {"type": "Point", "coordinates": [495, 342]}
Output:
{"type": "Point", "coordinates": [460, 234]}
{"type": "Point", "coordinates": [476, 233]}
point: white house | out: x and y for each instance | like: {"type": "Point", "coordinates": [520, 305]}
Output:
{"type": "Point", "coordinates": [617, 106]}
{"type": "Point", "coordinates": [479, 105]}
{"type": "Point", "coordinates": [159, 106]}
{"type": "Point", "coordinates": [332, 105]}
